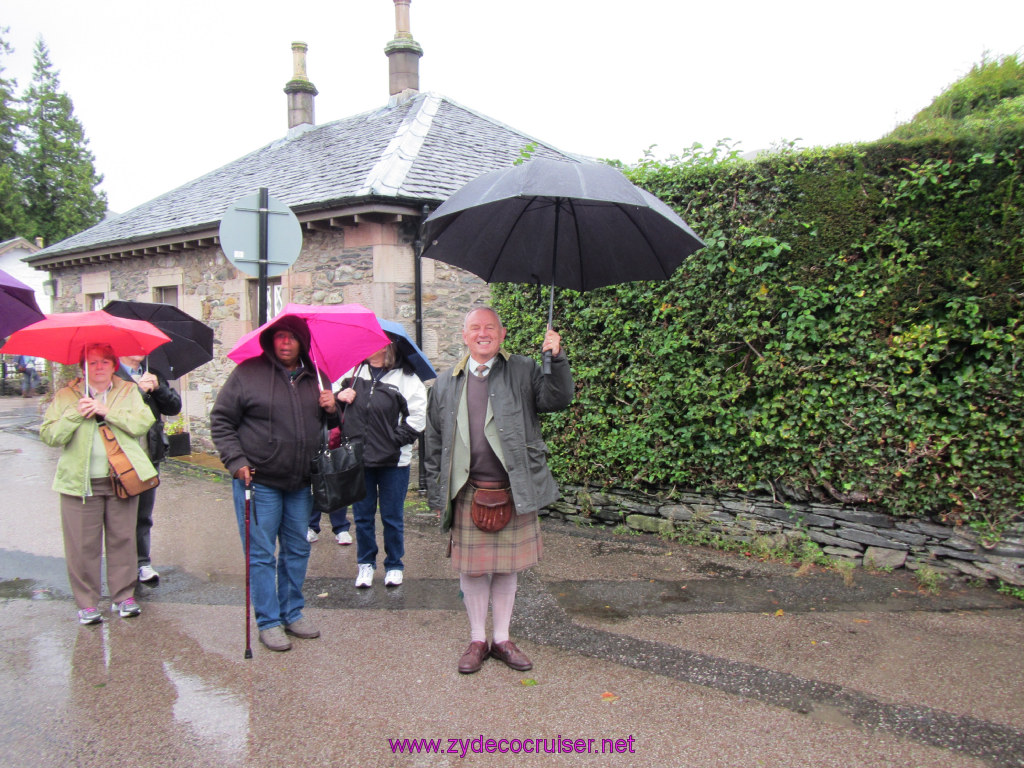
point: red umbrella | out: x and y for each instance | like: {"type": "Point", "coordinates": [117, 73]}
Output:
{"type": "Point", "coordinates": [63, 337]}
{"type": "Point", "coordinates": [342, 336]}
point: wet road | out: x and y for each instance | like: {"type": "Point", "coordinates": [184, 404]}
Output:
{"type": "Point", "coordinates": [677, 656]}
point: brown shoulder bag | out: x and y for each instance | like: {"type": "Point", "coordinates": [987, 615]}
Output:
{"type": "Point", "coordinates": [123, 477]}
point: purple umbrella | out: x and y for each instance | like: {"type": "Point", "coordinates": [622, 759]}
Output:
{"type": "Point", "coordinates": [18, 306]}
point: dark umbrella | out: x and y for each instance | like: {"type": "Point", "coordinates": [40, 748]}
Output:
{"type": "Point", "coordinates": [408, 349]}
{"type": "Point", "coordinates": [18, 306]}
{"type": "Point", "coordinates": [575, 225]}
{"type": "Point", "coordinates": [191, 342]}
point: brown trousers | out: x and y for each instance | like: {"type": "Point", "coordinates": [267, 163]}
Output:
{"type": "Point", "coordinates": [101, 519]}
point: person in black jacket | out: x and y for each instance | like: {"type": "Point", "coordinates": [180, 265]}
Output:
{"type": "Point", "coordinates": [162, 401]}
{"type": "Point", "coordinates": [266, 424]}
{"type": "Point", "coordinates": [386, 406]}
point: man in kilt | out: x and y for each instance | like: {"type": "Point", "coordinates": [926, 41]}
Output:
{"type": "Point", "coordinates": [483, 433]}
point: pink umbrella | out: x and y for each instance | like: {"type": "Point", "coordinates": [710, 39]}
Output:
{"type": "Point", "coordinates": [341, 336]}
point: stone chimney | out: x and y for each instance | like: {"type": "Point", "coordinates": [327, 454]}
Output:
{"type": "Point", "coordinates": [300, 91]}
{"type": "Point", "coordinates": [403, 57]}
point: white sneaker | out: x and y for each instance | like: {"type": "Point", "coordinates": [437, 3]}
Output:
{"type": "Point", "coordinates": [344, 538]}
{"type": "Point", "coordinates": [127, 608]}
{"type": "Point", "coordinates": [393, 578]}
{"type": "Point", "coordinates": [147, 573]}
{"type": "Point", "coordinates": [312, 535]}
{"type": "Point", "coordinates": [365, 577]}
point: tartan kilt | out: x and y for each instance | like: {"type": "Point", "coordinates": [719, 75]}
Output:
{"type": "Point", "coordinates": [514, 548]}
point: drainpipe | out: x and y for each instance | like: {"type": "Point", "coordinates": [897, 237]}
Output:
{"type": "Point", "coordinates": [417, 248]}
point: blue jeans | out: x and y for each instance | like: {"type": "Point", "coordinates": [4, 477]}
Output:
{"type": "Point", "coordinates": [389, 485]}
{"type": "Point", "coordinates": [339, 520]}
{"type": "Point", "coordinates": [278, 519]}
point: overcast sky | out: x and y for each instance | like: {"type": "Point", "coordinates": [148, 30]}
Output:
{"type": "Point", "coordinates": [170, 91]}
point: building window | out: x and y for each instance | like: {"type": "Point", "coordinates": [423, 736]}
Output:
{"type": "Point", "coordinates": [94, 301]}
{"type": "Point", "coordinates": [166, 294]}
{"type": "Point", "coordinates": [275, 298]}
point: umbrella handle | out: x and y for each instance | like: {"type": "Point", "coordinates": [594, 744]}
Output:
{"type": "Point", "coordinates": [546, 367]}
{"type": "Point", "coordinates": [248, 594]}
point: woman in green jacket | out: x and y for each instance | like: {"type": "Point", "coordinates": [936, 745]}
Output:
{"type": "Point", "coordinates": [91, 514]}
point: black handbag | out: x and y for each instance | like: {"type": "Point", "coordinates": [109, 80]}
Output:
{"type": "Point", "coordinates": [337, 474]}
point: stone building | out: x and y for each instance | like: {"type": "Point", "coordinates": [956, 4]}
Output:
{"type": "Point", "coordinates": [359, 186]}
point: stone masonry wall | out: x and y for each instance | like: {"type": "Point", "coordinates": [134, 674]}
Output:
{"type": "Point", "coordinates": [861, 534]}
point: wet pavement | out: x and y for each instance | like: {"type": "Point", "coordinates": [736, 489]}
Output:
{"type": "Point", "coordinates": [677, 656]}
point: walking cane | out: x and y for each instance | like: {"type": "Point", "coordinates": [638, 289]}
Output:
{"type": "Point", "coordinates": [248, 643]}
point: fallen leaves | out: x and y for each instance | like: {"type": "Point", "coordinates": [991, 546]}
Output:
{"type": "Point", "coordinates": [609, 697]}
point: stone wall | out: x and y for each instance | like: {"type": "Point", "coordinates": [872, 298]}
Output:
{"type": "Point", "coordinates": [857, 533]}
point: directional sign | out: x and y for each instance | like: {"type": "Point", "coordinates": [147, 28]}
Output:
{"type": "Point", "coordinates": [240, 235]}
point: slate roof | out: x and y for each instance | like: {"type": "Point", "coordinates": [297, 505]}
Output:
{"type": "Point", "coordinates": [421, 150]}
{"type": "Point", "coordinates": [17, 242]}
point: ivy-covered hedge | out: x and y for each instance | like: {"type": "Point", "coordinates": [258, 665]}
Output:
{"type": "Point", "coordinates": [851, 329]}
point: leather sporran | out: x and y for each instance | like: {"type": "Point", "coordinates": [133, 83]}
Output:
{"type": "Point", "coordinates": [124, 480]}
{"type": "Point", "coordinates": [492, 508]}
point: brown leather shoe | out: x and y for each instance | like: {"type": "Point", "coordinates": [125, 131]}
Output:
{"type": "Point", "coordinates": [512, 656]}
{"type": "Point", "coordinates": [473, 658]}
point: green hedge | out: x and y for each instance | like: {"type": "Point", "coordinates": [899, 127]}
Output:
{"type": "Point", "coordinates": [852, 329]}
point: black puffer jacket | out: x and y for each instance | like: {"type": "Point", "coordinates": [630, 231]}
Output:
{"type": "Point", "coordinates": [266, 419]}
{"type": "Point", "coordinates": [380, 416]}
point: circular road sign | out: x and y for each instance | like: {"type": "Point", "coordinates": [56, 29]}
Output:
{"type": "Point", "coordinates": [240, 235]}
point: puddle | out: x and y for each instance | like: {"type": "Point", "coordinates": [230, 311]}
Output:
{"type": "Point", "coordinates": [24, 589]}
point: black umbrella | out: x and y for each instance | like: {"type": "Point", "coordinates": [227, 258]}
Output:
{"type": "Point", "coordinates": [191, 342]}
{"type": "Point", "coordinates": [575, 225]}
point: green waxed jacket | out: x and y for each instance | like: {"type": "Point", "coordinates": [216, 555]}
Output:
{"type": "Point", "coordinates": [63, 426]}
{"type": "Point", "coordinates": [517, 392]}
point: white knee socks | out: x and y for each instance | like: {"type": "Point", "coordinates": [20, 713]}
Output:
{"type": "Point", "coordinates": [476, 591]}
{"type": "Point", "coordinates": [503, 599]}
{"type": "Point", "coordinates": [499, 590]}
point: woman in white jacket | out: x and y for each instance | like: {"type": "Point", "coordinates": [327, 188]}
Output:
{"type": "Point", "coordinates": [385, 404]}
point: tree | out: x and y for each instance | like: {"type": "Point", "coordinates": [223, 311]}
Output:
{"type": "Point", "coordinates": [13, 219]}
{"type": "Point", "coordinates": [982, 106]}
{"type": "Point", "coordinates": [60, 176]}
